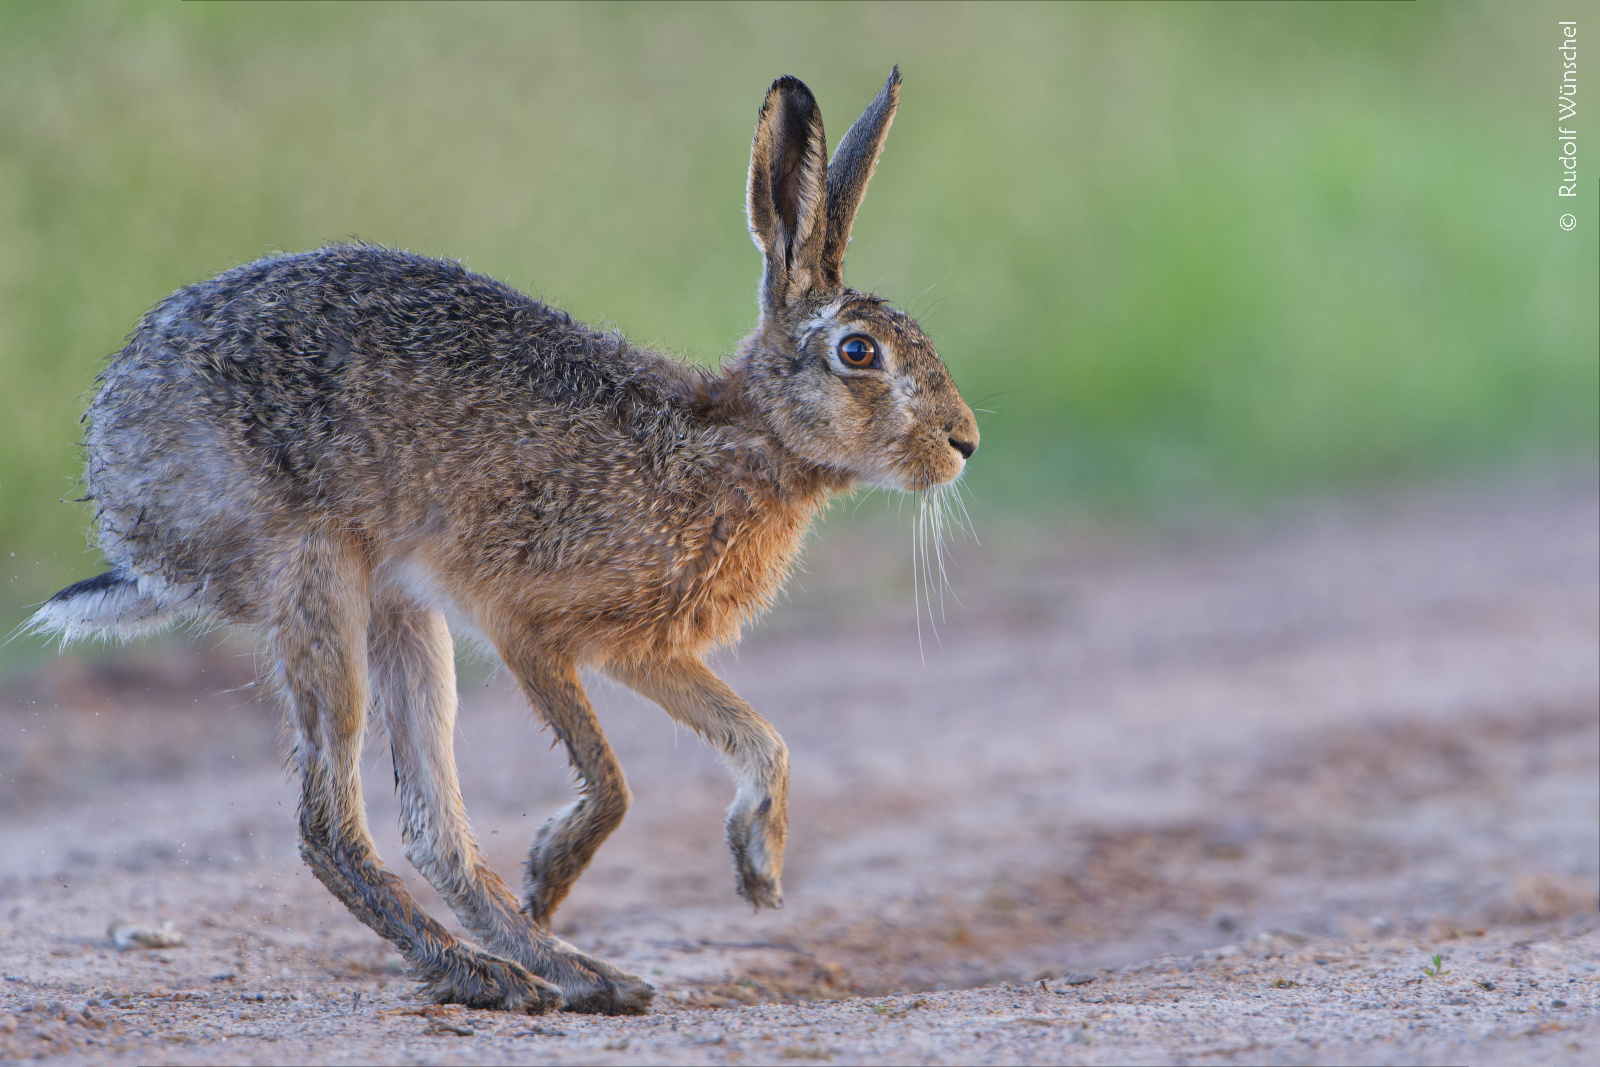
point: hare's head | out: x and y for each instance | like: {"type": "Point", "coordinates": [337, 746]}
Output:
{"type": "Point", "coordinates": [846, 381]}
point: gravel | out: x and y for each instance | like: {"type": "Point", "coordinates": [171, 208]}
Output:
{"type": "Point", "coordinates": [1214, 795]}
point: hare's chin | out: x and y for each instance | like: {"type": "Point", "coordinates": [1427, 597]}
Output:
{"type": "Point", "coordinates": [909, 481]}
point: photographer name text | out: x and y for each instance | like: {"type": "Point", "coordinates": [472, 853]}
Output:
{"type": "Point", "coordinates": [1567, 109]}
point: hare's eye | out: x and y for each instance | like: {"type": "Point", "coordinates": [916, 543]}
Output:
{"type": "Point", "coordinates": [858, 351]}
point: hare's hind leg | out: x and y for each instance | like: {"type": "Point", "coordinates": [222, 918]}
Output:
{"type": "Point", "coordinates": [414, 675]}
{"type": "Point", "coordinates": [758, 819]}
{"type": "Point", "coordinates": [318, 629]}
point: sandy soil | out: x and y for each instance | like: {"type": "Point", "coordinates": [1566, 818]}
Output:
{"type": "Point", "coordinates": [1210, 796]}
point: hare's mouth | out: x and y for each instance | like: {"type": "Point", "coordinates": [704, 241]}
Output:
{"type": "Point", "coordinates": [913, 477]}
{"type": "Point", "coordinates": [905, 479]}
{"type": "Point", "coordinates": [919, 473]}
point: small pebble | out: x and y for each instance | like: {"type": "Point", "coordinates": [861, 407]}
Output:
{"type": "Point", "coordinates": [126, 935]}
{"type": "Point", "coordinates": [1077, 978]}
{"type": "Point", "coordinates": [1558, 1003]}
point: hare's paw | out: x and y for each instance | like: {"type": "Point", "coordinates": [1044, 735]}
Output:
{"type": "Point", "coordinates": [562, 849]}
{"type": "Point", "coordinates": [596, 987]}
{"type": "Point", "coordinates": [478, 980]}
{"type": "Point", "coordinates": [756, 832]}
{"type": "Point", "coordinates": [587, 984]}
{"type": "Point", "coordinates": [546, 886]}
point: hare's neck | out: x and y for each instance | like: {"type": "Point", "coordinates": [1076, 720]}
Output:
{"type": "Point", "coordinates": [727, 400]}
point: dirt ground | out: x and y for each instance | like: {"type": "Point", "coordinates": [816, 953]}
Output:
{"type": "Point", "coordinates": [1212, 795]}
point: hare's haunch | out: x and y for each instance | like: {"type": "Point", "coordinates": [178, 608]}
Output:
{"type": "Point", "coordinates": [345, 447]}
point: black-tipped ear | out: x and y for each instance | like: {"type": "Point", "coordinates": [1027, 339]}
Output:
{"type": "Point", "coordinates": [850, 172]}
{"type": "Point", "coordinates": [788, 193]}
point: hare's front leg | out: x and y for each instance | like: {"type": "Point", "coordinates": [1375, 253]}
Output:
{"type": "Point", "coordinates": [758, 819]}
{"type": "Point", "coordinates": [318, 627]}
{"type": "Point", "coordinates": [568, 841]}
{"type": "Point", "coordinates": [414, 675]}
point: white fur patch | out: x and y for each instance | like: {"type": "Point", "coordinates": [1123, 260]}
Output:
{"type": "Point", "coordinates": [417, 581]}
{"type": "Point", "coordinates": [123, 610]}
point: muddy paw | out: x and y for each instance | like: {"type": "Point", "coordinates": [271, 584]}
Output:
{"type": "Point", "coordinates": [478, 980]}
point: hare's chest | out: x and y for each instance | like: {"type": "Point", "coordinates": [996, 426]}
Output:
{"type": "Point", "coordinates": [735, 568]}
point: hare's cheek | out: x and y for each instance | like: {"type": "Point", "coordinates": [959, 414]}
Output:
{"type": "Point", "coordinates": [906, 395]}
{"type": "Point", "coordinates": [888, 420]}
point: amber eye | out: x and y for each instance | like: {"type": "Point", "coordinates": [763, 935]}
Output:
{"type": "Point", "coordinates": [858, 351]}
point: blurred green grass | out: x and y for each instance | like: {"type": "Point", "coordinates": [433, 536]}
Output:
{"type": "Point", "coordinates": [1179, 254]}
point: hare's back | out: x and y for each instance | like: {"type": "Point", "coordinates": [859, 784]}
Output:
{"type": "Point", "coordinates": [326, 382]}
{"type": "Point", "coordinates": [323, 319]}
{"type": "Point", "coordinates": [308, 360]}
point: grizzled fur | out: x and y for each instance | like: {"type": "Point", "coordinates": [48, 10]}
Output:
{"type": "Point", "coordinates": [346, 448]}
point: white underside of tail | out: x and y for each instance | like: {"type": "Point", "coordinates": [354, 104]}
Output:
{"type": "Point", "coordinates": [119, 608]}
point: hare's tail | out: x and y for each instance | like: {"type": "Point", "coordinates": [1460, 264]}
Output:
{"type": "Point", "coordinates": [108, 605]}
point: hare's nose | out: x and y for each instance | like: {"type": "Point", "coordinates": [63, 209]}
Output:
{"type": "Point", "coordinates": [966, 448]}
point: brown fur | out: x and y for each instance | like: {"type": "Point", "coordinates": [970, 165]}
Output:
{"type": "Point", "coordinates": [346, 446]}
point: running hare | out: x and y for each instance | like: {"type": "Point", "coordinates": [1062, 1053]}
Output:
{"type": "Point", "coordinates": [343, 447]}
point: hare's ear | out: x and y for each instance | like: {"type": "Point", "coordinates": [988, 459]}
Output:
{"type": "Point", "coordinates": [850, 172]}
{"type": "Point", "coordinates": [787, 195]}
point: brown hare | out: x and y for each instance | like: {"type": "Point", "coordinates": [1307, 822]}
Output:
{"type": "Point", "coordinates": [346, 447]}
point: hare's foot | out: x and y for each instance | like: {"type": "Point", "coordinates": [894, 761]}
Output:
{"type": "Point", "coordinates": [564, 845]}
{"type": "Point", "coordinates": [587, 984]}
{"type": "Point", "coordinates": [758, 821]}
{"type": "Point", "coordinates": [595, 986]}
{"type": "Point", "coordinates": [450, 971]}
{"type": "Point", "coordinates": [478, 980]}
{"type": "Point", "coordinates": [756, 838]}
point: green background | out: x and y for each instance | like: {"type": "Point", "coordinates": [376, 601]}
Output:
{"type": "Point", "coordinates": [1181, 255]}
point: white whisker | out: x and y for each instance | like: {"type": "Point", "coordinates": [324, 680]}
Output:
{"type": "Point", "coordinates": [917, 556]}
{"type": "Point", "coordinates": [941, 512]}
